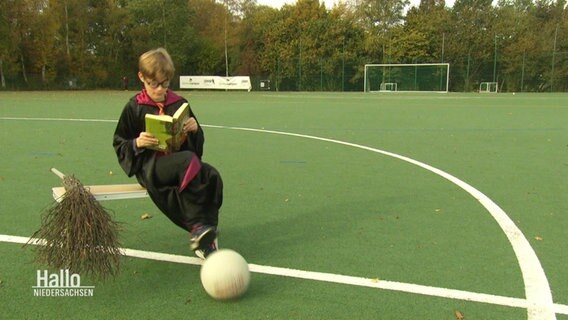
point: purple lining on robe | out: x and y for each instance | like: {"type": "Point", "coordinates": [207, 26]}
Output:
{"type": "Point", "coordinates": [144, 98]}
{"type": "Point", "coordinates": [191, 172]}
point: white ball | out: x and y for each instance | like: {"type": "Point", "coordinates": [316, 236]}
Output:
{"type": "Point", "coordinates": [225, 275]}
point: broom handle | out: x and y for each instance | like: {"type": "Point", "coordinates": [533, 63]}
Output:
{"type": "Point", "coordinates": [58, 173]}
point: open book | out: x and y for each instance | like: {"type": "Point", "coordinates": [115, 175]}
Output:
{"type": "Point", "coordinates": [168, 129]}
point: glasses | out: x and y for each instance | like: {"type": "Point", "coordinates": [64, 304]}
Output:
{"type": "Point", "coordinates": [155, 84]}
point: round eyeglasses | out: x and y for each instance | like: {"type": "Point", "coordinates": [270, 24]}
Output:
{"type": "Point", "coordinates": [155, 84]}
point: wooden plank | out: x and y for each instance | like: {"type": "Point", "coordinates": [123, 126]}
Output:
{"type": "Point", "coordinates": [108, 192]}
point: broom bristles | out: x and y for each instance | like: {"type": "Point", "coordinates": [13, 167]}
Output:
{"type": "Point", "coordinates": [80, 235]}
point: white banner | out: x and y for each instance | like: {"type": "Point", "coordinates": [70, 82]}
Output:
{"type": "Point", "coordinates": [215, 82]}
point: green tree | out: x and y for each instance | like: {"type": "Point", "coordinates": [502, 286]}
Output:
{"type": "Point", "coordinates": [311, 48]}
{"type": "Point", "coordinates": [380, 19]}
{"type": "Point", "coordinates": [254, 30]}
{"type": "Point", "coordinates": [311, 23]}
{"type": "Point", "coordinates": [22, 15]}
{"type": "Point", "coordinates": [206, 54]}
{"type": "Point", "coordinates": [8, 41]}
{"type": "Point", "coordinates": [167, 24]}
{"type": "Point", "coordinates": [424, 32]}
{"type": "Point", "coordinates": [42, 42]}
{"type": "Point", "coordinates": [109, 42]}
{"type": "Point", "coordinates": [342, 41]}
{"type": "Point", "coordinates": [471, 45]}
{"type": "Point", "coordinates": [514, 40]}
{"type": "Point", "coordinates": [521, 44]}
{"type": "Point", "coordinates": [550, 39]}
{"type": "Point", "coordinates": [275, 56]}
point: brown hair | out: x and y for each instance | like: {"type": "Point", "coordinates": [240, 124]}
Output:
{"type": "Point", "coordinates": [156, 63]}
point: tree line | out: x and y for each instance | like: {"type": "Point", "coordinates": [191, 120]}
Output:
{"type": "Point", "coordinates": [53, 44]}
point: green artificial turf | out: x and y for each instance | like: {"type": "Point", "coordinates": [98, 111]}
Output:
{"type": "Point", "coordinates": [293, 200]}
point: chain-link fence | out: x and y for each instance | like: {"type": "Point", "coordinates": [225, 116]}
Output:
{"type": "Point", "coordinates": [526, 73]}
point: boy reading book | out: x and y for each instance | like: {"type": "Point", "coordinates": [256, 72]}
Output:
{"type": "Point", "coordinates": [188, 191]}
{"type": "Point", "coordinates": [168, 129]}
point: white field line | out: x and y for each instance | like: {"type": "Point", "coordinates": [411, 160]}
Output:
{"type": "Point", "coordinates": [537, 289]}
{"type": "Point", "coordinates": [328, 277]}
{"type": "Point", "coordinates": [57, 119]}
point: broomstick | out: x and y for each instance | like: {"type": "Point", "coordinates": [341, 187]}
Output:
{"type": "Point", "coordinates": [79, 234]}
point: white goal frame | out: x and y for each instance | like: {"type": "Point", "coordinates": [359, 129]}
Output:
{"type": "Point", "coordinates": [388, 87]}
{"type": "Point", "coordinates": [488, 87]}
{"type": "Point", "coordinates": [386, 83]}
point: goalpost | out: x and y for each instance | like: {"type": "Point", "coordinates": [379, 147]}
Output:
{"type": "Point", "coordinates": [389, 86]}
{"type": "Point", "coordinates": [407, 77]}
{"type": "Point", "coordinates": [488, 87]}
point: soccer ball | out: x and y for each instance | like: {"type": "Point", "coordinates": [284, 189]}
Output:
{"type": "Point", "coordinates": [225, 275]}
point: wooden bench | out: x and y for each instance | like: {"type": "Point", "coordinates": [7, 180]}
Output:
{"type": "Point", "coordinates": [108, 192]}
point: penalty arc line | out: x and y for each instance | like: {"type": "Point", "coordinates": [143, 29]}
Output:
{"type": "Point", "coordinates": [327, 277]}
{"type": "Point", "coordinates": [537, 289]}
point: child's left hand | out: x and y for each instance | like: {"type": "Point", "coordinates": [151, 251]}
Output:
{"type": "Point", "coordinates": [190, 125]}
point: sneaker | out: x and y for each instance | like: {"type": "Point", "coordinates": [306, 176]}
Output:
{"type": "Point", "coordinates": [203, 253]}
{"type": "Point", "coordinates": [202, 237]}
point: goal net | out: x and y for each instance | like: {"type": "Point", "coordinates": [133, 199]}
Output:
{"type": "Point", "coordinates": [423, 77]}
{"type": "Point", "coordinates": [488, 87]}
{"type": "Point", "coordinates": [389, 86]}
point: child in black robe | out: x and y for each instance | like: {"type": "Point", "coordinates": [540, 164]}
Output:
{"type": "Point", "coordinates": [189, 192]}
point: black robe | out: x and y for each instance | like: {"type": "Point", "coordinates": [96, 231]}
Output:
{"type": "Point", "coordinates": [200, 201]}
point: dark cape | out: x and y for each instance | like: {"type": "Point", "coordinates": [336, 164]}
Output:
{"type": "Point", "coordinates": [199, 200]}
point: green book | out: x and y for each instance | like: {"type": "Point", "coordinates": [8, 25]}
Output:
{"type": "Point", "coordinates": [168, 129]}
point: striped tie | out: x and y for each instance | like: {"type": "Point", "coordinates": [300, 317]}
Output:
{"type": "Point", "coordinates": [161, 106]}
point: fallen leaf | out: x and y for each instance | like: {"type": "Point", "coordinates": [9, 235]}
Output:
{"type": "Point", "coordinates": [375, 280]}
{"type": "Point", "coordinates": [145, 216]}
{"type": "Point", "coordinates": [459, 315]}
{"type": "Point", "coordinates": [538, 238]}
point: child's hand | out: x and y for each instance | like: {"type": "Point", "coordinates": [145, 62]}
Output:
{"type": "Point", "coordinates": [190, 125]}
{"type": "Point", "coordinates": [146, 140]}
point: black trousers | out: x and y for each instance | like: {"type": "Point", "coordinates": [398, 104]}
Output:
{"type": "Point", "coordinates": [198, 202]}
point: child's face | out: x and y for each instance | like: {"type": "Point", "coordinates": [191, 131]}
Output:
{"type": "Point", "coordinates": [156, 88]}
